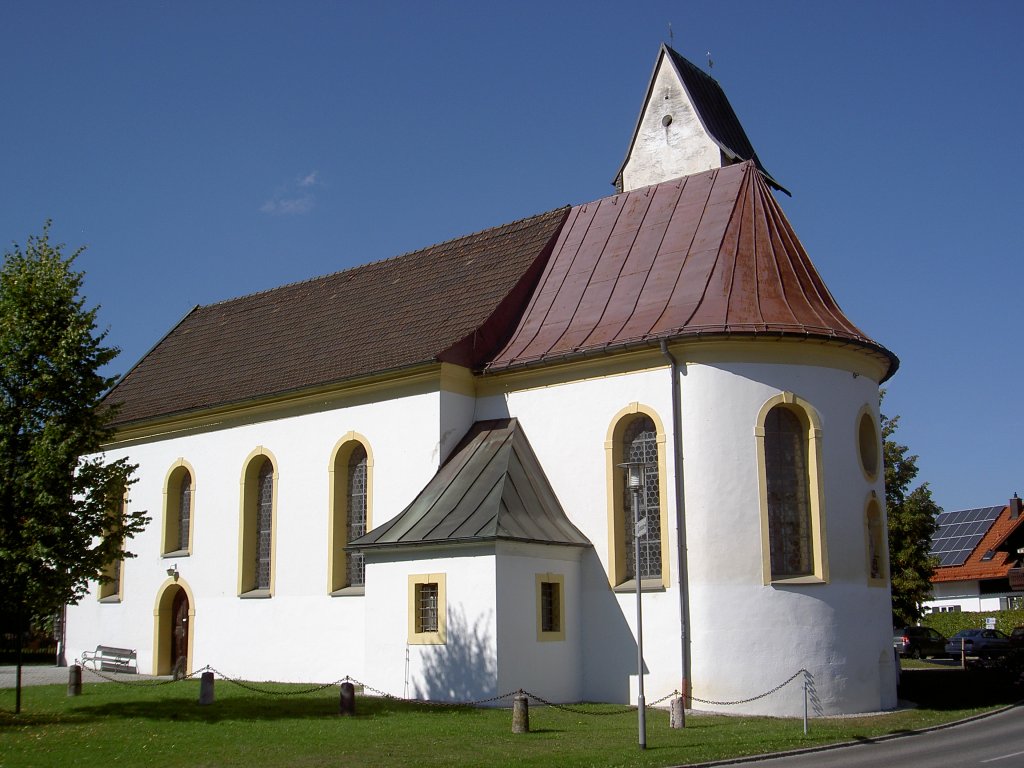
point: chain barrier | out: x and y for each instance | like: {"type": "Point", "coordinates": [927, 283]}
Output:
{"type": "Point", "coordinates": [431, 702]}
{"type": "Point", "coordinates": [578, 711]}
{"type": "Point", "coordinates": [147, 683]}
{"type": "Point", "coordinates": [267, 692]}
{"type": "Point", "coordinates": [778, 687]}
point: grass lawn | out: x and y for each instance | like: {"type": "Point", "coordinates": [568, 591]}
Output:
{"type": "Point", "coordinates": [112, 724]}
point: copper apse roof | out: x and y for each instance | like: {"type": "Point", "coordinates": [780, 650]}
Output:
{"type": "Point", "coordinates": [453, 302]}
{"type": "Point", "coordinates": [705, 255]}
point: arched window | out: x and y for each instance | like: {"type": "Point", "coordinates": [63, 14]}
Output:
{"type": "Point", "coordinates": [184, 511]}
{"type": "Point", "coordinates": [789, 462]}
{"type": "Point", "coordinates": [111, 589]}
{"type": "Point", "coordinates": [179, 498]}
{"type": "Point", "coordinates": [256, 551]}
{"type": "Point", "coordinates": [636, 434]}
{"type": "Point", "coordinates": [356, 498]}
{"type": "Point", "coordinates": [351, 471]}
{"type": "Point", "coordinates": [640, 443]}
{"type": "Point", "coordinates": [264, 523]}
{"type": "Point", "coordinates": [789, 510]}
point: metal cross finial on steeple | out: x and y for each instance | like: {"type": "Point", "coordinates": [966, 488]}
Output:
{"type": "Point", "coordinates": [711, 64]}
{"type": "Point", "coordinates": [671, 36]}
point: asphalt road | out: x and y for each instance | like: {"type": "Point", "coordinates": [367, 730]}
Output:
{"type": "Point", "coordinates": [996, 741]}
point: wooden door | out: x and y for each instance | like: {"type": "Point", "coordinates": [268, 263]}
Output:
{"type": "Point", "coordinates": [179, 634]}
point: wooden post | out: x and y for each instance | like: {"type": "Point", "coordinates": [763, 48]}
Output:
{"type": "Point", "coordinates": [521, 713]}
{"type": "Point", "coordinates": [206, 688]}
{"type": "Point", "coordinates": [74, 680]}
{"type": "Point", "coordinates": [347, 702]}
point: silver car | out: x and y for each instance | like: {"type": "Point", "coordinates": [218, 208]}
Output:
{"type": "Point", "coordinates": [978, 642]}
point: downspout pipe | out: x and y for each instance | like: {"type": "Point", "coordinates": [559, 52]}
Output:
{"type": "Point", "coordinates": [677, 467]}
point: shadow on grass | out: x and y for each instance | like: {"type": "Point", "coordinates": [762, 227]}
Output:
{"type": "Point", "coordinates": [230, 704]}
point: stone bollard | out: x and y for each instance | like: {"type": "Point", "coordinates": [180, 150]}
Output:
{"type": "Point", "coordinates": [521, 713]}
{"type": "Point", "coordinates": [74, 680]}
{"type": "Point", "coordinates": [677, 713]}
{"type": "Point", "coordinates": [347, 703]}
{"type": "Point", "coordinates": [206, 688]}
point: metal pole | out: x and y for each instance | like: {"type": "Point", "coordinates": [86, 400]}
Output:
{"type": "Point", "coordinates": [640, 706]}
{"type": "Point", "coordinates": [805, 703]}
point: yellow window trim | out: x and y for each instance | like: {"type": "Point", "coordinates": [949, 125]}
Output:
{"type": "Point", "coordinates": [550, 578]}
{"type": "Point", "coordinates": [815, 491]}
{"type": "Point", "coordinates": [247, 522]}
{"type": "Point", "coordinates": [113, 591]}
{"type": "Point", "coordinates": [863, 440]}
{"type": "Point", "coordinates": [614, 493]}
{"type": "Point", "coordinates": [429, 638]}
{"type": "Point", "coordinates": [337, 509]}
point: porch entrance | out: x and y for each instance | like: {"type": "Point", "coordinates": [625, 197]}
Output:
{"type": "Point", "coordinates": [174, 618]}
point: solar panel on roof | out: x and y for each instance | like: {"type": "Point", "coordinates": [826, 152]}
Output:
{"type": "Point", "coordinates": [959, 533]}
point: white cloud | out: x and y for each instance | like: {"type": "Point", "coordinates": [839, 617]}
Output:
{"type": "Point", "coordinates": [294, 198]}
{"type": "Point", "coordinates": [285, 206]}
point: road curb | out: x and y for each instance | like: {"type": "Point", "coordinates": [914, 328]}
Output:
{"type": "Point", "coordinates": [843, 744]}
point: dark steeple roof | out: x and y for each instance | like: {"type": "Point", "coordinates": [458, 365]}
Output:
{"type": "Point", "coordinates": [714, 111]}
{"type": "Point", "coordinates": [492, 487]}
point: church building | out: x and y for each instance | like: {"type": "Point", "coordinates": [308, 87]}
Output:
{"type": "Point", "coordinates": [411, 472]}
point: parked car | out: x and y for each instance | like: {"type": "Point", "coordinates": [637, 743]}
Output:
{"type": "Point", "coordinates": [978, 642]}
{"type": "Point", "coordinates": [1017, 637]}
{"type": "Point", "coordinates": [917, 642]}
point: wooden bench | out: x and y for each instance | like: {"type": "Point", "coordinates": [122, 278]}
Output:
{"type": "Point", "coordinates": [110, 659]}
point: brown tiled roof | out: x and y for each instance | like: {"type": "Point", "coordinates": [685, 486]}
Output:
{"type": "Point", "coordinates": [998, 567]}
{"type": "Point", "coordinates": [705, 255]}
{"type": "Point", "coordinates": [450, 302]}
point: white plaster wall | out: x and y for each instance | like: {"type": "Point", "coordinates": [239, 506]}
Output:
{"type": "Point", "coordinates": [301, 633]}
{"type": "Point", "coordinates": [567, 425]}
{"type": "Point", "coordinates": [964, 594]}
{"type": "Point", "coordinates": [945, 590]}
{"type": "Point", "coordinates": [551, 669]}
{"type": "Point", "coordinates": [464, 668]}
{"type": "Point", "coordinates": [746, 637]}
{"type": "Point", "coordinates": [663, 152]}
{"type": "Point", "coordinates": [455, 419]}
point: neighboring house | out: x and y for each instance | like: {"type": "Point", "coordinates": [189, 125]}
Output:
{"type": "Point", "coordinates": [980, 559]}
{"type": "Point", "coordinates": [408, 472]}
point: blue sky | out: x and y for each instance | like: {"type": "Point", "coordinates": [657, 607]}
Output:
{"type": "Point", "coordinates": [204, 150]}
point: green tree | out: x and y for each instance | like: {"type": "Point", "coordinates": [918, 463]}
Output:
{"type": "Point", "coordinates": [912, 515]}
{"type": "Point", "coordinates": [62, 517]}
